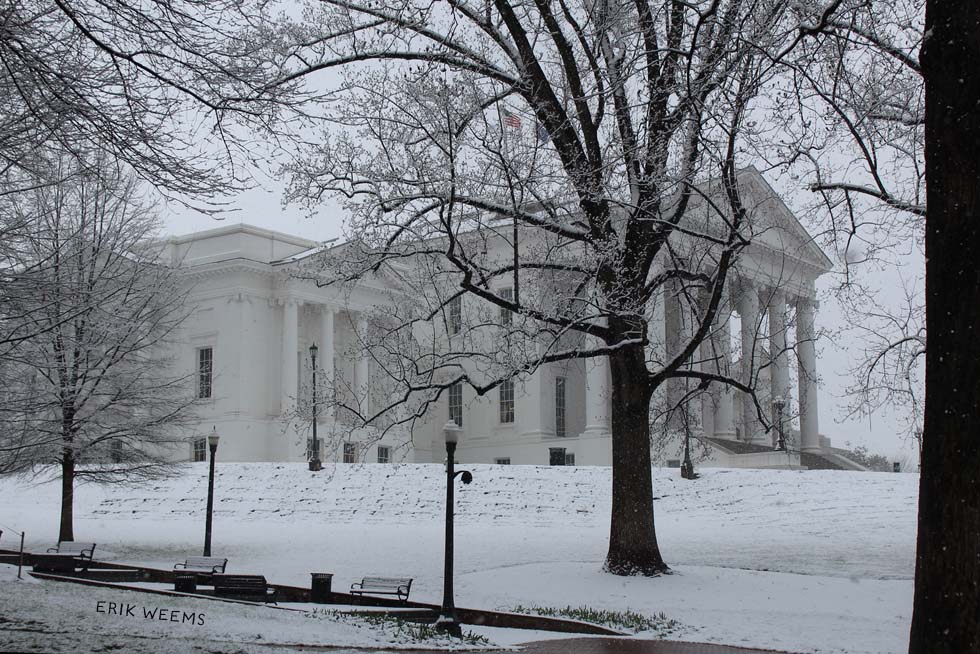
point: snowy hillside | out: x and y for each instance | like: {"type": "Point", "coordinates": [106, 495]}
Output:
{"type": "Point", "coordinates": [537, 535]}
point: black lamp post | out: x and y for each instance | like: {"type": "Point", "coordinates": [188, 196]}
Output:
{"type": "Point", "coordinates": [213, 446]}
{"type": "Point", "coordinates": [779, 404]}
{"type": "Point", "coordinates": [447, 620]}
{"type": "Point", "coordinates": [687, 468]}
{"type": "Point", "coordinates": [315, 450]}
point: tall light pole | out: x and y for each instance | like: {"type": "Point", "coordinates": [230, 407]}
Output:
{"type": "Point", "coordinates": [447, 620]}
{"type": "Point", "coordinates": [687, 467]}
{"type": "Point", "coordinates": [315, 452]}
{"type": "Point", "coordinates": [213, 446]}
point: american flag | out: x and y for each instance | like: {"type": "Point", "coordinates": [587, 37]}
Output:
{"type": "Point", "coordinates": [511, 120]}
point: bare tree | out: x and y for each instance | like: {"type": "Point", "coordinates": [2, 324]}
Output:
{"type": "Point", "coordinates": [853, 124]}
{"type": "Point", "coordinates": [912, 117]}
{"type": "Point", "coordinates": [560, 151]}
{"type": "Point", "coordinates": [91, 390]}
{"type": "Point", "coordinates": [158, 85]}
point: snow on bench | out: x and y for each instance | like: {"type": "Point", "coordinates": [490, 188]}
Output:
{"type": "Point", "coordinates": [247, 587]}
{"type": "Point", "coordinates": [202, 564]}
{"type": "Point", "coordinates": [65, 557]}
{"type": "Point", "coordinates": [398, 586]}
{"type": "Point", "coordinates": [73, 548]}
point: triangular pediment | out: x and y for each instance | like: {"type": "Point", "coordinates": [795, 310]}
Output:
{"type": "Point", "coordinates": [773, 231]}
{"type": "Point", "coordinates": [773, 225]}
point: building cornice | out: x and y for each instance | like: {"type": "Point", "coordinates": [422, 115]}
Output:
{"type": "Point", "coordinates": [213, 269]}
{"type": "Point", "coordinates": [243, 228]}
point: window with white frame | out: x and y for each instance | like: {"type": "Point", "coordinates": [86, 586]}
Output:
{"type": "Point", "coordinates": [455, 318]}
{"type": "Point", "coordinates": [199, 450]}
{"type": "Point", "coordinates": [350, 452]}
{"type": "Point", "coordinates": [205, 372]}
{"type": "Point", "coordinates": [456, 403]}
{"type": "Point", "coordinates": [560, 386]}
{"type": "Point", "coordinates": [507, 401]}
{"type": "Point", "coordinates": [569, 458]}
{"type": "Point", "coordinates": [506, 315]}
{"type": "Point", "coordinates": [502, 461]}
{"type": "Point", "coordinates": [384, 454]}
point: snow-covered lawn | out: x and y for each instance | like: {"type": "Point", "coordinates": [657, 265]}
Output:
{"type": "Point", "coordinates": [797, 561]}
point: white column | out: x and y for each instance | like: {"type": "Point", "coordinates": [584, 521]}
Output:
{"type": "Point", "coordinates": [778, 371]}
{"type": "Point", "coordinates": [706, 357]}
{"type": "Point", "coordinates": [597, 395]}
{"type": "Point", "coordinates": [362, 381]}
{"type": "Point", "coordinates": [290, 346]}
{"type": "Point", "coordinates": [724, 397]}
{"type": "Point", "coordinates": [326, 358]}
{"type": "Point", "coordinates": [806, 350]}
{"type": "Point", "coordinates": [706, 363]}
{"type": "Point", "coordinates": [748, 308]}
{"type": "Point", "coordinates": [534, 399]}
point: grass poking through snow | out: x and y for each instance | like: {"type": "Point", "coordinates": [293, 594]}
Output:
{"type": "Point", "coordinates": [399, 631]}
{"type": "Point", "coordinates": [627, 620]}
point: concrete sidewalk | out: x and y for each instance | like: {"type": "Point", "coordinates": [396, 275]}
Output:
{"type": "Point", "coordinates": [630, 646]}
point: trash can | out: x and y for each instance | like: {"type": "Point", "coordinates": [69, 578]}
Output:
{"type": "Point", "coordinates": [321, 588]}
{"type": "Point", "coordinates": [185, 583]}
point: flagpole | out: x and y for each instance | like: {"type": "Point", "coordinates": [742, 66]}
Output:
{"type": "Point", "coordinates": [517, 286]}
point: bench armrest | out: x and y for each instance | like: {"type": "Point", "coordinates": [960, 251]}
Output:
{"type": "Point", "coordinates": [53, 549]}
{"type": "Point", "coordinates": [356, 585]}
{"type": "Point", "coordinates": [179, 566]}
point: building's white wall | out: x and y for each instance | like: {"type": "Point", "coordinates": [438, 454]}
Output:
{"type": "Point", "coordinates": [240, 284]}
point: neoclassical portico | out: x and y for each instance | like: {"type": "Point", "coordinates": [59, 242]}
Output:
{"type": "Point", "coordinates": [322, 330]}
{"type": "Point", "coordinates": [771, 291]}
{"type": "Point", "coordinates": [766, 353]}
{"type": "Point", "coordinates": [767, 372]}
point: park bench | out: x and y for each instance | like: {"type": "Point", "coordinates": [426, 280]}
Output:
{"type": "Point", "coordinates": [208, 565]}
{"type": "Point", "coordinates": [66, 557]}
{"type": "Point", "coordinates": [197, 570]}
{"type": "Point", "coordinates": [247, 587]}
{"type": "Point", "coordinates": [398, 586]}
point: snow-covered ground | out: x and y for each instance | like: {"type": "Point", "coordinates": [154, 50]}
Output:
{"type": "Point", "coordinates": [796, 561]}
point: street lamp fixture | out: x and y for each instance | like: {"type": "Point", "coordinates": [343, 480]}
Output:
{"type": "Point", "coordinates": [447, 620]}
{"type": "Point", "coordinates": [778, 403]}
{"type": "Point", "coordinates": [315, 464]}
{"type": "Point", "coordinates": [213, 439]}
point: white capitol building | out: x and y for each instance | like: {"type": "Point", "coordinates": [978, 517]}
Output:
{"type": "Point", "coordinates": [247, 347]}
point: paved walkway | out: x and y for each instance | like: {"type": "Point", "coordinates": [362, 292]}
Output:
{"type": "Point", "coordinates": [629, 646]}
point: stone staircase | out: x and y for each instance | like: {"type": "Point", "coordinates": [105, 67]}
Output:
{"type": "Point", "coordinates": [808, 460]}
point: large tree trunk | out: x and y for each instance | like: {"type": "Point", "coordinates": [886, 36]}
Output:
{"type": "Point", "coordinates": [633, 548]}
{"type": "Point", "coordinates": [946, 611]}
{"type": "Point", "coordinates": [67, 532]}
